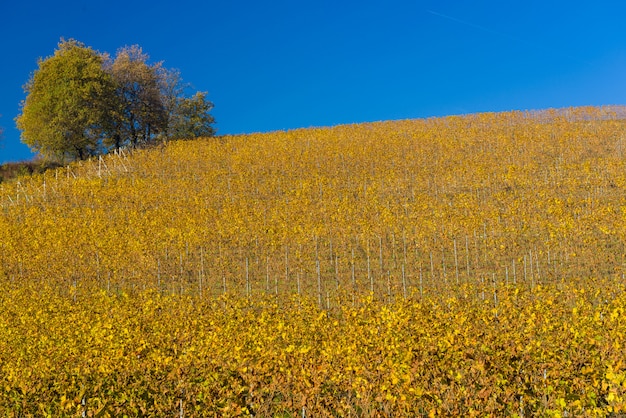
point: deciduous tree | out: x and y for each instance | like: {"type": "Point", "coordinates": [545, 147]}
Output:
{"type": "Point", "coordinates": [68, 97]}
{"type": "Point", "coordinates": [191, 118]}
{"type": "Point", "coordinates": [140, 113]}
{"type": "Point", "coordinates": [81, 103]}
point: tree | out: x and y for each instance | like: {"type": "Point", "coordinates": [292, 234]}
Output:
{"type": "Point", "coordinates": [191, 118]}
{"type": "Point", "coordinates": [152, 104]}
{"type": "Point", "coordinates": [188, 117]}
{"type": "Point", "coordinates": [81, 103]}
{"type": "Point", "coordinates": [139, 114]}
{"type": "Point", "coordinates": [68, 98]}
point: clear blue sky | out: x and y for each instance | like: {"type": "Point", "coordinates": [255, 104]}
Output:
{"type": "Point", "coordinates": [286, 64]}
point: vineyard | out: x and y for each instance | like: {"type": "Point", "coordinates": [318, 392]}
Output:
{"type": "Point", "coordinates": [459, 266]}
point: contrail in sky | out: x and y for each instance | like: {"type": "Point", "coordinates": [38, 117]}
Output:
{"type": "Point", "coordinates": [534, 46]}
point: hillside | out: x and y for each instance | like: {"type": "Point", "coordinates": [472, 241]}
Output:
{"type": "Point", "coordinates": [491, 224]}
{"type": "Point", "coordinates": [500, 188]}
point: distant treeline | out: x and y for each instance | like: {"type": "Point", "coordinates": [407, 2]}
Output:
{"type": "Point", "coordinates": [13, 170]}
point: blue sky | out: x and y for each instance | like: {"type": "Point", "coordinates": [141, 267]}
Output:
{"type": "Point", "coordinates": [288, 64]}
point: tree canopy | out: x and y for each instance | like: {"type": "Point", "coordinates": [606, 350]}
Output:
{"type": "Point", "coordinates": [140, 111]}
{"type": "Point", "coordinates": [80, 103]}
{"type": "Point", "coordinates": [66, 103]}
{"type": "Point", "coordinates": [191, 117]}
